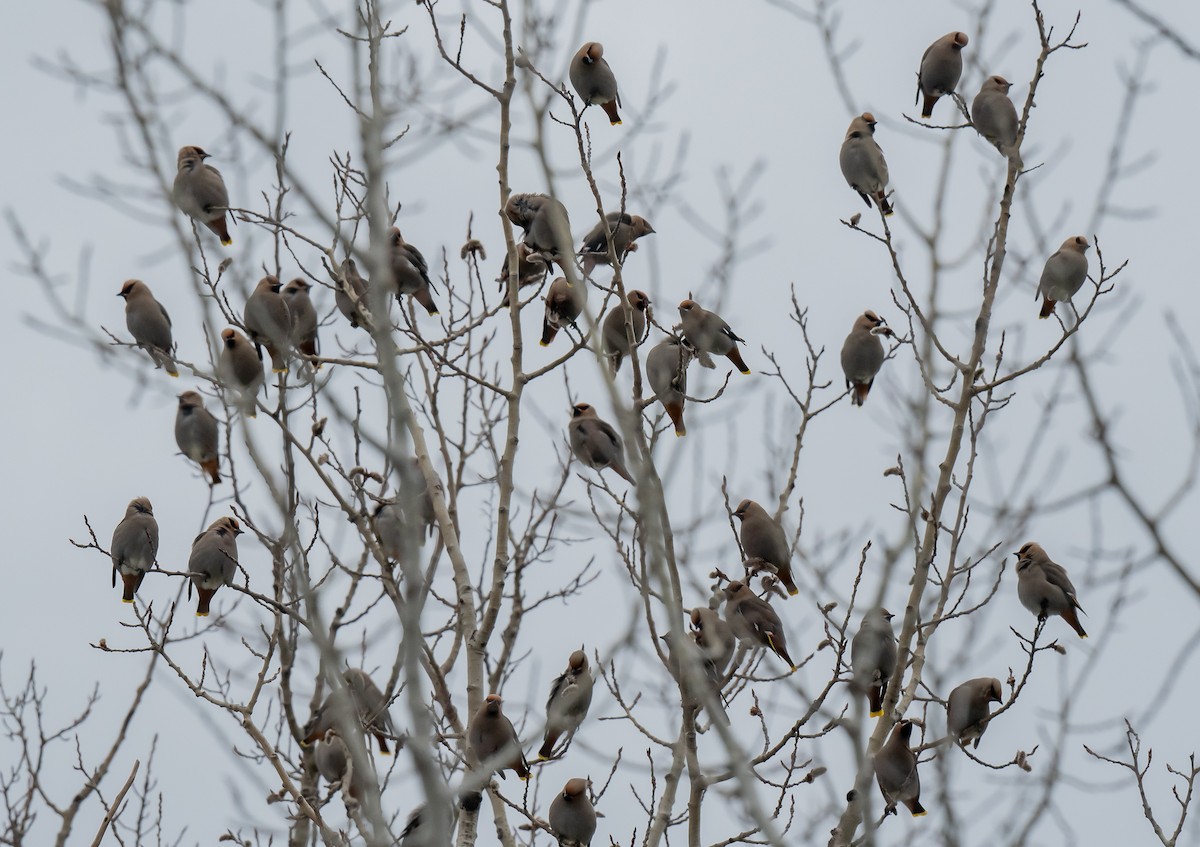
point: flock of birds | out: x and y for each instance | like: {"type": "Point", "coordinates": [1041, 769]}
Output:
{"type": "Point", "coordinates": [282, 319]}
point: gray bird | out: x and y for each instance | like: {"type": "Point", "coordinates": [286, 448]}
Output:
{"type": "Point", "coordinates": [752, 619]}
{"type": "Point", "coordinates": [708, 333]}
{"type": "Point", "coordinates": [666, 369]}
{"type": "Point", "coordinates": [616, 330]}
{"type": "Point", "coordinates": [134, 547]}
{"type": "Point", "coordinates": [873, 657]}
{"type": "Point", "coordinates": [572, 816]}
{"type": "Point", "coordinates": [353, 307]}
{"type": "Point", "coordinates": [336, 765]}
{"type": "Point", "coordinates": [545, 223]}
{"type": "Point", "coordinates": [1044, 587]}
{"type": "Point", "coordinates": [240, 369]}
{"type": "Point", "coordinates": [490, 735]}
{"type": "Point", "coordinates": [564, 303]}
{"type": "Point", "coordinates": [391, 518]}
{"type": "Point", "coordinates": [863, 355]}
{"type": "Point", "coordinates": [1063, 274]}
{"type": "Point", "coordinates": [896, 770]}
{"type": "Point", "coordinates": [200, 193]}
{"type": "Point", "coordinates": [968, 709]}
{"type": "Point", "coordinates": [863, 164]}
{"type": "Point", "coordinates": [941, 68]}
{"type": "Point", "coordinates": [410, 272]}
{"type": "Point", "coordinates": [213, 562]}
{"type": "Point", "coordinates": [622, 229]}
{"type": "Point", "coordinates": [594, 82]}
{"type": "Point", "coordinates": [595, 442]}
{"type": "Point", "coordinates": [197, 435]}
{"type": "Point", "coordinates": [303, 318]}
{"type": "Point", "coordinates": [569, 701]}
{"type": "Point", "coordinates": [531, 269]}
{"type": "Point", "coordinates": [763, 538]}
{"type": "Point", "coordinates": [367, 706]}
{"type": "Point", "coordinates": [149, 324]}
{"type": "Point", "coordinates": [419, 828]}
{"type": "Point", "coordinates": [994, 115]}
{"type": "Point", "coordinates": [390, 524]}
{"type": "Point", "coordinates": [268, 321]}
{"type": "Point", "coordinates": [716, 641]}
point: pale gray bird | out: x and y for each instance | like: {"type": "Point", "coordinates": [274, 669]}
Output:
{"type": "Point", "coordinates": [994, 115]}
{"type": "Point", "coordinates": [616, 330]}
{"type": "Point", "coordinates": [214, 561]}
{"type": "Point", "coordinates": [149, 324]}
{"type": "Point", "coordinates": [572, 816]}
{"type": "Point", "coordinates": [863, 164]}
{"type": "Point", "coordinates": [419, 829]}
{"type": "Point", "coordinates": [350, 294]}
{"type": "Point", "coordinates": [1064, 274]}
{"type": "Point", "coordinates": [268, 321]}
{"type": "Point", "coordinates": [666, 369]}
{"type": "Point", "coordinates": [564, 303]}
{"type": "Point", "coordinates": [896, 770]}
{"type": "Point", "coordinates": [873, 657]}
{"type": "Point", "coordinates": [412, 502]}
{"type": "Point", "coordinates": [240, 369]}
{"type": "Point", "coordinates": [410, 272]}
{"type": "Point", "coordinates": [941, 68]}
{"type": "Point", "coordinates": [752, 619]}
{"type": "Point", "coordinates": [197, 435]}
{"type": "Point", "coordinates": [1044, 587]}
{"type": "Point", "coordinates": [716, 641]}
{"type": "Point", "coordinates": [531, 269]}
{"type": "Point", "coordinates": [595, 442]}
{"type": "Point", "coordinates": [303, 317]}
{"type": "Point", "coordinates": [623, 229]}
{"type": "Point", "coordinates": [545, 222]}
{"type": "Point", "coordinates": [968, 708]}
{"type": "Point", "coordinates": [389, 523]}
{"type": "Point", "coordinates": [490, 735]}
{"type": "Point", "coordinates": [200, 192]}
{"type": "Point", "coordinates": [863, 355]}
{"type": "Point", "coordinates": [336, 765]}
{"type": "Point", "coordinates": [367, 706]}
{"type": "Point", "coordinates": [134, 547]}
{"type": "Point", "coordinates": [594, 82]}
{"type": "Point", "coordinates": [763, 538]}
{"type": "Point", "coordinates": [709, 333]}
{"type": "Point", "coordinates": [568, 704]}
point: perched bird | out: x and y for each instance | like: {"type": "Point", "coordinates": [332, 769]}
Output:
{"type": "Point", "coordinates": [240, 369]}
{"type": "Point", "coordinates": [594, 82]}
{"type": "Point", "coordinates": [413, 502]}
{"type": "Point", "coordinates": [200, 192]}
{"type": "Point", "coordinates": [616, 330]}
{"type": "Point", "coordinates": [968, 708]}
{"type": "Point", "coordinates": [491, 736]}
{"type": "Point", "coordinates": [708, 333]}
{"type": "Point", "coordinates": [268, 321]}
{"type": "Point", "coordinates": [531, 269]}
{"type": "Point", "coordinates": [419, 829]}
{"type": "Point", "coordinates": [763, 538]}
{"type": "Point", "coordinates": [863, 164]}
{"type": "Point", "coordinates": [350, 294]}
{"type": "Point", "coordinates": [716, 641]}
{"type": "Point", "coordinates": [389, 523]}
{"type": "Point", "coordinates": [545, 222]}
{"type": "Point", "coordinates": [336, 765]}
{"type": "Point", "coordinates": [622, 229]}
{"type": "Point", "coordinates": [134, 546]}
{"type": "Point", "coordinates": [196, 434]}
{"type": "Point", "coordinates": [410, 273]}
{"type": "Point", "coordinates": [863, 355]}
{"type": "Point", "coordinates": [564, 303]}
{"type": "Point", "coordinates": [569, 701]}
{"type": "Point", "coordinates": [994, 115]}
{"type": "Point", "coordinates": [149, 324]}
{"type": "Point", "coordinates": [896, 770]}
{"type": "Point", "coordinates": [303, 318]}
{"type": "Point", "coordinates": [752, 619]}
{"type": "Point", "coordinates": [873, 657]}
{"type": "Point", "coordinates": [572, 816]}
{"type": "Point", "coordinates": [214, 560]}
{"type": "Point", "coordinates": [1044, 588]}
{"type": "Point", "coordinates": [594, 441]}
{"type": "Point", "coordinates": [367, 706]}
{"type": "Point", "coordinates": [1064, 274]}
{"type": "Point", "coordinates": [666, 368]}
{"type": "Point", "coordinates": [941, 67]}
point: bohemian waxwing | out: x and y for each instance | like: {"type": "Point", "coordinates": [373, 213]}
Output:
{"type": "Point", "coordinates": [616, 331]}
{"type": "Point", "coordinates": [491, 736]}
{"type": "Point", "coordinates": [708, 333]}
{"type": "Point", "coordinates": [968, 708]}
{"type": "Point", "coordinates": [214, 560]}
{"type": "Point", "coordinates": [896, 770]}
{"type": "Point", "coordinates": [569, 701]}
{"type": "Point", "coordinates": [752, 619]}
{"type": "Point", "coordinates": [197, 435]}
{"type": "Point", "coordinates": [623, 229]}
{"type": "Point", "coordinates": [763, 538]}
{"type": "Point", "coordinates": [268, 322]}
{"type": "Point", "coordinates": [941, 67]}
{"type": "Point", "coordinates": [302, 315]}
{"type": "Point", "coordinates": [200, 192]}
{"type": "Point", "coordinates": [595, 442]}
{"type": "Point", "coordinates": [1044, 588]}
{"type": "Point", "coordinates": [149, 324]}
{"type": "Point", "coordinates": [240, 369]}
{"type": "Point", "coordinates": [1064, 274]}
{"type": "Point", "coordinates": [873, 657]}
{"type": "Point", "coordinates": [134, 546]}
{"type": "Point", "coordinates": [863, 355]}
{"type": "Point", "coordinates": [564, 303]}
{"type": "Point", "coordinates": [666, 369]}
{"type": "Point", "coordinates": [594, 82]}
{"type": "Point", "coordinates": [572, 816]}
{"type": "Point", "coordinates": [863, 164]}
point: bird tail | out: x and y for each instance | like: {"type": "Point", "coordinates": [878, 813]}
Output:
{"type": "Point", "coordinates": [522, 768]}
{"type": "Point", "coordinates": [610, 109]}
{"type": "Point", "coordinates": [202, 605]}
{"type": "Point", "coordinates": [914, 806]}
{"type": "Point", "coordinates": [735, 356]}
{"type": "Point", "coordinates": [383, 745]}
{"type": "Point", "coordinates": [785, 576]}
{"type": "Point", "coordinates": [1073, 619]}
{"type": "Point", "coordinates": [1047, 308]}
{"type": "Point", "coordinates": [884, 205]}
{"type": "Point", "coordinates": [211, 467]}
{"type": "Point", "coordinates": [278, 359]}
{"type": "Point", "coordinates": [131, 583]}
{"type": "Point", "coordinates": [675, 410]}
{"type": "Point", "coordinates": [780, 651]}
{"type": "Point", "coordinates": [221, 227]}
{"type": "Point", "coordinates": [549, 330]}
{"type": "Point", "coordinates": [861, 390]}
{"type": "Point", "coordinates": [927, 109]}
{"type": "Point", "coordinates": [875, 699]}
{"type": "Point", "coordinates": [548, 745]}
{"type": "Point", "coordinates": [422, 296]}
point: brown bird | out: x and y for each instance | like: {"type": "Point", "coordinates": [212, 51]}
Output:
{"type": "Point", "coordinates": [716, 641]}
{"type": "Point", "coordinates": [622, 229]}
{"type": "Point", "coordinates": [134, 546]}
{"type": "Point", "coordinates": [595, 442]}
{"type": "Point", "coordinates": [1044, 588]}
{"type": "Point", "coordinates": [197, 435]}
{"type": "Point", "coordinates": [200, 193]}
{"type": "Point", "coordinates": [941, 68]}
{"type": "Point", "coordinates": [268, 321]}
{"type": "Point", "coordinates": [708, 333]}
{"type": "Point", "coordinates": [572, 816]}
{"type": "Point", "coordinates": [569, 701]}
{"type": "Point", "coordinates": [564, 303]}
{"type": "Point", "coordinates": [763, 538]}
{"type": "Point", "coordinates": [968, 708]}
{"type": "Point", "coordinates": [240, 369]}
{"type": "Point", "coordinates": [531, 269]}
{"type": "Point", "coordinates": [896, 770]}
{"type": "Point", "coordinates": [594, 82]}
{"type": "Point", "coordinates": [863, 355]}
{"type": "Point", "coordinates": [350, 295]}
{"type": "Point", "coordinates": [873, 657]}
{"type": "Point", "coordinates": [303, 318]}
{"type": "Point", "coordinates": [491, 736]}
{"type": "Point", "coordinates": [616, 330]}
{"type": "Point", "coordinates": [214, 561]}
{"type": "Point", "coordinates": [336, 765]}
{"type": "Point", "coordinates": [410, 272]}
{"type": "Point", "coordinates": [666, 369]}
{"type": "Point", "coordinates": [1063, 274]}
{"type": "Point", "coordinates": [149, 324]}
{"type": "Point", "coordinates": [545, 222]}
{"type": "Point", "coordinates": [862, 162]}
{"type": "Point", "coordinates": [752, 619]}
{"type": "Point", "coordinates": [367, 707]}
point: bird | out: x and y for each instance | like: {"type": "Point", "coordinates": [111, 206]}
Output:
{"type": "Point", "coordinates": [303, 318]}
{"type": "Point", "coordinates": [572, 817]}
{"type": "Point", "coordinates": [531, 269]}
{"type": "Point", "coordinates": [491, 737]}
{"type": "Point", "coordinates": [622, 229]}
{"type": "Point", "coordinates": [366, 707]}
{"type": "Point", "coordinates": [863, 355]}
{"type": "Point", "coordinates": [595, 442]}
{"type": "Point", "coordinates": [240, 369]}
{"type": "Point", "coordinates": [1044, 588]}
{"type": "Point", "coordinates": [763, 538]}
{"type": "Point", "coordinates": [336, 765]}
{"type": "Point", "coordinates": [410, 272]}
{"type": "Point", "coordinates": [200, 192]}
{"type": "Point", "coordinates": [941, 68]}
{"type": "Point", "coordinates": [616, 330]}
{"type": "Point", "coordinates": [594, 82]}
{"type": "Point", "coordinates": [268, 321]}
{"type": "Point", "coordinates": [709, 333]}
{"type": "Point", "coordinates": [545, 223]}
{"type": "Point", "coordinates": [863, 164]}
{"type": "Point", "coordinates": [196, 434]}
{"type": "Point", "coordinates": [413, 501]}
{"type": "Point", "coordinates": [716, 642]}
{"type": "Point", "coordinates": [419, 828]}
{"type": "Point", "coordinates": [994, 115]}
{"type": "Point", "coordinates": [214, 561]}
{"type": "Point", "coordinates": [564, 303]}
{"type": "Point", "coordinates": [968, 708]}
{"type": "Point", "coordinates": [896, 770]}
{"type": "Point", "coordinates": [1063, 274]}
{"type": "Point", "coordinates": [873, 657]}
{"type": "Point", "coordinates": [149, 324]}
{"type": "Point", "coordinates": [569, 701]}
{"type": "Point", "coordinates": [752, 619]}
{"type": "Point", "coordinates": [666, 368]}
{"type": "Point", "coordinates": [134, 547]}
{"type": "Point", "coordinates": [350, 294]}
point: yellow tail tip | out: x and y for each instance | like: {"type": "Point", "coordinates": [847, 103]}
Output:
{"type": "Point", "coordinates": [792, 592]}
{"type": "Point", "coordinates": [921, 813]}
{"type": "Point", "coordinates": [279, 370]}
{"type": "Point", "coordinates": [543, 344]}
{"type": "Point", "coordinates": [877, 714]}
{"type": "Point", "coordinates": [747, 371]}
{"type": "Point", "coordinates": [202, 614]}
{"type": "Point", "coordinates": [225, 242]}
{"type": "Point", "coordinates": [173, 374]}
{"type": "Point", "coordinates": [542, 758]}
{"type": "Point", "coordinates": [615, 123]}
{"type": "Point", "coordinates": [525, 778]}
{"type": "Point", "coordinates": [123, 600]}
{"type": "Point", "coordinates": [385, 752]}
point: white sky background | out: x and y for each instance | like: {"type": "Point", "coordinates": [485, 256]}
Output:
{"type": "Point", "coordinates": [749, 83]}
